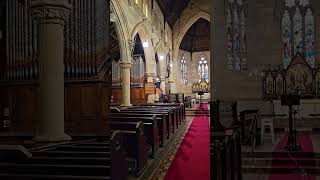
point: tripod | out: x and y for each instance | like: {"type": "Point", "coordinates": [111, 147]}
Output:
{"type": "Point", "coordinates": [292, 144]}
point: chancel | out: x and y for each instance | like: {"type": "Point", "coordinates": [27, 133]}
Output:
{"type": "Point", "coordinates": [159, 89]}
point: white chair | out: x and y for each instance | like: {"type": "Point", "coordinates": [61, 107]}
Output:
{"type": "Point", "coordinates": [193, 103]}
{"type": "Point", "coordinates": [267, 122]}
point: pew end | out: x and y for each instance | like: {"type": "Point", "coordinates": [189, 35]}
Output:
{"type": "Point", "coordinates": [8, 152]}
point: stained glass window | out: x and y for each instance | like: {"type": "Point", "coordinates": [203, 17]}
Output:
{"type": "Point", "coordinates": [203, 69]}
{"type": "Point", "coordinates": [183, 71]}
{"type": "Point", "coordinates": [298, 31]}
{"type": "Point", "coordinates": [236, 35]}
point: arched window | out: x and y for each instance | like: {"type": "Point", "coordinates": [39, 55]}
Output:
{"type": "Point", "coordinates": [203, 69]}
{"type": "Point", "coordinates": [183, 71]}
{"type": "Point", "coordinates": [236, 35]}
{"type": "Point", "coordinates": [298, 31]}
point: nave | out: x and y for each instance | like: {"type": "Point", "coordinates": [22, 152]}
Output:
{"type": "Point", "coordinates": [134, 89]}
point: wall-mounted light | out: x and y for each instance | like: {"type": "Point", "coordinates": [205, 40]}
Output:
{"type": "Point", "coordinates": [171, 65]}
{"type": "Point", "coordinates": [145, 44]}
{"type": "Point", "coordinates": [202, 58]}
{"type": "Point", "coordinates": [113, 17]}
{"type": "Point", "coordinates": [161, 57]}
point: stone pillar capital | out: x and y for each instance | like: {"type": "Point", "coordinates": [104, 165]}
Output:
{"type": "Point", "coordinates": [163, 79]}
{"type": "Point", "coordinates": [149, 74]}
{"type": "Point", "coordinates": [50, 11]}
{"type": "Point", "coordinates": [125, 65]}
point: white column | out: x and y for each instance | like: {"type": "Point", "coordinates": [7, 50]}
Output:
{"type": "Point", "coordinates": [163, 84]}
{"type": "Point", "coordinates": [125, 83]}
{"type": "Point", "coordinates": [51, 15]}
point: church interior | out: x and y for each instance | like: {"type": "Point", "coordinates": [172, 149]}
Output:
{"type": "Point", "coordinates": [159, 89]}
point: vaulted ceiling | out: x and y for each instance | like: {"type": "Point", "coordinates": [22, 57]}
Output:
{"type": "Point", "coordinates": [197, 38]}
{"type": "Point", "coordinates": [172, 9]}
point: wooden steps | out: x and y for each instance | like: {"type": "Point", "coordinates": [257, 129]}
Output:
{"type": "Point", "coordinates": [84, 160]}
{"type": "Point", "coordinates": [281, 162]}
{"type": "Point", "coordinates": [7, 176]}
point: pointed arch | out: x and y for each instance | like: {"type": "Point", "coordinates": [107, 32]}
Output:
{"type": "Point", "coordinates": [122, 30]}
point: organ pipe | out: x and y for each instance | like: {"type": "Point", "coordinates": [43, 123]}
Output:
{"type": "Point", "coordinates": [86, 34]}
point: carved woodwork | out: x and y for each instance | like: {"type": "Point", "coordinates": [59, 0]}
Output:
{"type": "Point", "coordinates": [87, 67]}
{"type": "Point", "coordinates": [298, 78]}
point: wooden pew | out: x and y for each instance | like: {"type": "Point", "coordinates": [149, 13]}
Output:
{"type": "Point", "coordinates": [134, 143]}
{"type": "Point", "coordinates": [161, 123]}
{"type": "Point", "coordinates": [174, 112]}
{"type": "Point", "coordinates": [76, 160]}
{"type": "Point", "coordinates": [179, 106]}
{"type": "Point", "coordinates": [170, 117]}
{"type": "Point", "coordinates": [151, 131]}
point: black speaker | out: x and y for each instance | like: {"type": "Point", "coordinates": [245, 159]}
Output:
{"type": "Point", "coordinates": [290, 100]}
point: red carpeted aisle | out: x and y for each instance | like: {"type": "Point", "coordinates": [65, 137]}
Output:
{"type": "Point", "coordinates": [192, 160]}
{"type": "Point", "coordinates": [307, 146]}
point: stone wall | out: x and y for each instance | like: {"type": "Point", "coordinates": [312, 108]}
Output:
{"type": "Point", "coordinates": [192, 61]}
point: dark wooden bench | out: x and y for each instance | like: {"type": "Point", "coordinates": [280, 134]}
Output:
{"type": "Point", "coordinates": [178, 107]}
{"type": "Point", "coordinates": [151, 131]}
{"type": "Point", "coordinates": [161, 122]}
{"type": "Point", "coordinates": [170, 116]}
{"type": "Point", "coordinates": [75, 160]}
{"type": "Point", "coordinates": [134, 143]}
{"type": "Point", "coordinates": [171, 112]}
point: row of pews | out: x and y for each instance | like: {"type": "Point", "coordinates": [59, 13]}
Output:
{"type": "Point", "coordinates": [95, 159]}
{"type": "Point", "coordinates": [146, 129]}
{"type": "Point", "coordinates": [225, 147]}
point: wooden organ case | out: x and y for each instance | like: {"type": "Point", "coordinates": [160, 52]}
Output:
{"type": "Point", "coordinates": [86, 60]}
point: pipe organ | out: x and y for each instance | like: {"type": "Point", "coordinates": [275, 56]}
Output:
{"type": "Point", "coordinates": [87, 68]}
{"type": "Point", "coordinates": [86, 37]}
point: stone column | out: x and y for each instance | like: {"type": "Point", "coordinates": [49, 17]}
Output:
{"type": "Point", "coordinates": [151, 97]}
{"type": "Point", "coordinates": [218, 79]}
{"type": "Point", "coordinates": [150, 77]}
{"type": "Point", "coordinates": [173, 78]}
{"type": "Point", "coordinates": [51, 16]}
{"type": "Point", "coordinates": [163, 84]}
{"type": "Point", "coordinates": [125, 83]}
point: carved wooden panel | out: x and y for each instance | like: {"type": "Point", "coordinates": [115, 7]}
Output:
{"type": "Point", "coordinates": [299, 78]}
{"type": "Point", "coordinates": [23, 108]}
{"type": "Point", "coordinates": [87, 109]}
{"type": "Point", "coordinates": [138, 95]}
{"type": "Point", "coordinates": [116, 95]}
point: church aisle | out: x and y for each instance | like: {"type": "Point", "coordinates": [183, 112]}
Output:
{"type": "Point", "coordinates": [192, 160]}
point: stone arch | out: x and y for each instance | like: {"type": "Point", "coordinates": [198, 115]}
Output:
{"type": "Point", "coordinates": [179, 32]}
{"type": "Point", "coordinates": [140, 29]}
{"type": "Point", "coordinates": [122, 31]}
{"type": "Point", "coordinates": [186, 27]}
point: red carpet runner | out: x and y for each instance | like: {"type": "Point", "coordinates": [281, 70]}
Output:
{"type": "Point", "coordinates": [306, 144]}
{"type": "Point", "coordinates": [192, 160]}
